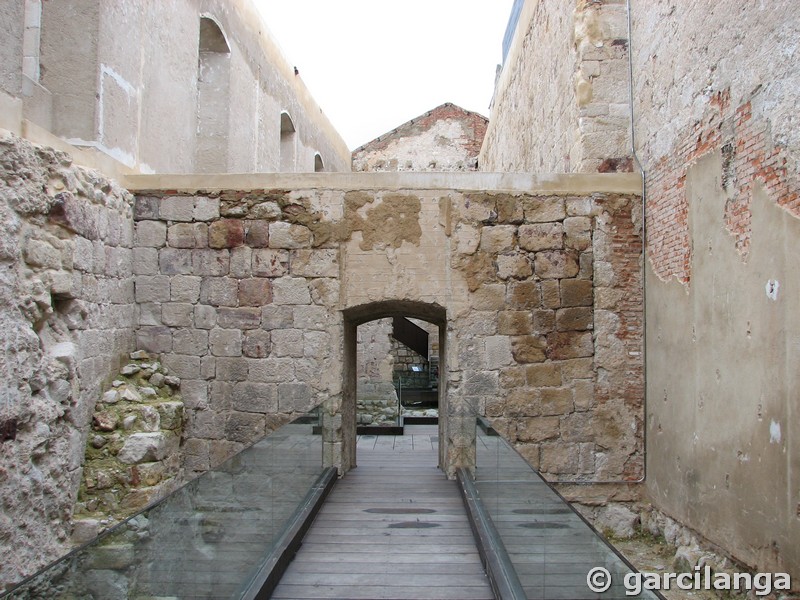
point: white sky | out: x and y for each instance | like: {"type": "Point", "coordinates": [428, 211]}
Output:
{"type": "Point", "coordinates": [375, 64]}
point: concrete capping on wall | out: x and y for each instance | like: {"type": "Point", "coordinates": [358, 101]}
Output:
{"type": "Point", "coordinates": [558, 183]}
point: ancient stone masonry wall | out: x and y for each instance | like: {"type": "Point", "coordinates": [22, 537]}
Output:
{"type": "Point", "coordinates": [561, 102]}
{"type": "Point", "coordinates": [552, 350]}
{"type": "Point", "coordinates": [240, 295]}
{"type": "Point", "coordinates": [238, 303]}
{"type": "Point", "coordinates": [66, 319]}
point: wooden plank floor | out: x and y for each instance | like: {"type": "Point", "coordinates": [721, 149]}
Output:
{"type": "Point", "coordinates": [393, 528]}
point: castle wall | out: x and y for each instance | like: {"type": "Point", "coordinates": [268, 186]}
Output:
{"type": "Point", "coordinates": [715, 88]}
{"type": "Point", "coordinates": [67, 318]}
{"type": "Point", "coordinates": [561, 100]}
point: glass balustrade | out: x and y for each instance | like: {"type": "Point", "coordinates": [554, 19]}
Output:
{"type": "Point", "coordinates": [207, 539]}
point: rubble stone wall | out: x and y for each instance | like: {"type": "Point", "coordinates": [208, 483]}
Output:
{"type": "Point", "coordinates": [67, 318]}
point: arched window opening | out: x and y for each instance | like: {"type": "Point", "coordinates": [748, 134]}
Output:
{"type": "Point", "coordinates": [319, 166]}
{"type": "Point", "coordinates": [213, 98]}
{"type": "Point", "coordinates": [288, 147]}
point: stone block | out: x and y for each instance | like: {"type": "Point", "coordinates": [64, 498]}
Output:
{"type": "Point", "coordinates": [185, 288]}
{"type": "Point", "coordinates": [277, 317]}
{"type": "Point", "coordinates": [38, 253]}
{"type": "Point", "coordinates": [255, 397]}
{"type": "Point", "coordinates": [555, 265]}
{"type": "Point", "coordinates": [584, 394]}
{"type": "Point", "coordinates": [509, 210]}
{"type": "Point", "coordinates": [270, 263]}
{"type": "Point", "coordinates": [241, 265]}
{"type": "Point", "coordinates": [272, 370]}
{"type": "Point", "coordinates": [579, 207]}
{"type": "Point", "coordinates": [208, 367]}
{"type": "Point", "coordinates": [541, 236]}
{"type": "Point", "coordinates": [513, 266]}
{"type": "Point", "coordinates": [255, 292]}
{"type": "Point", "coordinates": [314, 263]}
{"type": "Point", "coordinates": [555, 401]}
{"type": "Point", "coordinates": [177, 314]}
{"type": "Point", "coordinates": [145, 261]}
{"type": "Point", "coordinates": [577, 368]}
{"type": "Point", "coordinates": [245, 427]}
{"type": "Point", "coordinates": [226, 233]}
{"type": "Point", "coordinates": [488, 297]}
{"type": "Point", "coordinates": [239, 318]}
{"type": "Point", "coordinates": [256, 234]}
{"type": "Point", "coordinates": [290, 290]}
{"type": "Point", "coordinates": [188, 235]}
{"type": "Point", "coordinates": [544, 210]}
{"type": "Point", "coordinates": [256, 344]}
{"type": "Point", "coordinates": [577, 427]}
{"type": "Point", "coordinates": [498, 351]}
{"type": "Point", "coordinates": [543, 375]}
{"type": "Point", "coordinates": [586, 263]}
{"type": "Point", "coordinates": [152, 288]}
{"type": "Point", "coordinates": [195, 455]}
{"type": "Point", "coordinates": [211, 263]}
{"type": "Point", "coordinates": [512, 377]}
{"type": "Point", "coordinates": [232, 369]}
{"type": "Point", "coordinates": [205, 424]}
{"type": "Point", "coordinates": [544, 321]}
{"type": "Point", "coordinates": [294, 397]}
{"type": "Point", "coordinates": [225, 342]}
{"type": "Point", "coordinates": [524, 295]}
{"type": "Point", "coordinates": [205, 317]}
{"type": "Point", "coordinates": [145, 208]}
{"type": "Point", "coordinates": [288, 235]}
{"type": "Point", "coordinates": [191, 341]}
{"type": "Point", "coordinates": [574, 319]}
{"type": "Point", "coordinates": [578, 231]}
{"type": "Point", "coordinates": [325, 292]}
{"type": "Point", "coordinates": [182, 365]}
{"type": "Point", "coordinates": [529, 348]}
{"type": "Point", "coordinates": [569, 344]}
{"type": "Point", "coordinates": [219, 291]}
{"type": "Point", "coordinates": [468, 238]}
{"type": "Point", "coordinates": [177, 208]}
{"type": "Point", "coordinates": [172, 261]}
{"type": "Point", "coordinates": [558, 458]}
{"type": "Point", "coordinates": [498, 238]}
{"type": "Point", "coordinates": [144, 447]}
{"type": "Point", "coordinates": [551, 294]}
{"type": "Point", "coordinates": [287, 342]}
{"type": "Point", "coordinates": [310, 317]}
{"type": "Point", "coordinates": [482, 383]}
{"type": "Point", "coordinates": [269, 211]}
{"type": "Point", "coordinates": [537, 429]}
{"type": "Point", "coordinates": [194, 393]}
{"type": "Point", "coordinates": [514, 322]}
{"type": "Point", "coordinates": [150, 234]}
{"type": "Point", "coordinates": [317, 344]}
{"type": "Point", "coordinates": [154, 339]}
{"type": "Point", "coordinates": [205, 209]}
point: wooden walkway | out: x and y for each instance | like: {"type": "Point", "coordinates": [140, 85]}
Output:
{"type": "Point", "coordinates": [393, 528]}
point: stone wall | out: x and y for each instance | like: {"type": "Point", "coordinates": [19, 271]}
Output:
{"type": "Point", "coordinates": [447, 138]}
{"type": "Point", "coordinates": [240, 294]}
{"type": "Point", "coordinates": [561, 101]}
{"type": "Point", "coordinates": [717, 137]}
{"type": "Point", "coordinates": [66, 320]}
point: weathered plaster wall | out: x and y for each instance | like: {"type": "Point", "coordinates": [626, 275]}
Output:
{"type": "Point", "coordinates": [66, 318]}
{"type": "Point", "coordinates": [717, 131]}
{"type": "Point", "coordinates": [105, 90]}
{"type": "Point", "coordinates": [561, 101]}
{"type": "Point", "coordinates": [447, 138]}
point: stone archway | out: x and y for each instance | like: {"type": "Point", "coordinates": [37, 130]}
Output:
{"type": "Point", "coordinates": [358, 315]}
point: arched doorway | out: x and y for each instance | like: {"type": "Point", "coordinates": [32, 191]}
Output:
{"type": "Point", "coordinates": [358, 315]}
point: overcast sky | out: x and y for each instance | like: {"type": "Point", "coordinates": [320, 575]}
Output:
{"type": "Point", "coordinates": [375, 64]}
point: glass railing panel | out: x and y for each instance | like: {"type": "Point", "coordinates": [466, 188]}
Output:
{"type": "Point", "coordinates": [207, 539]}
{"type": "Point", "coordinates": [551, 547]}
